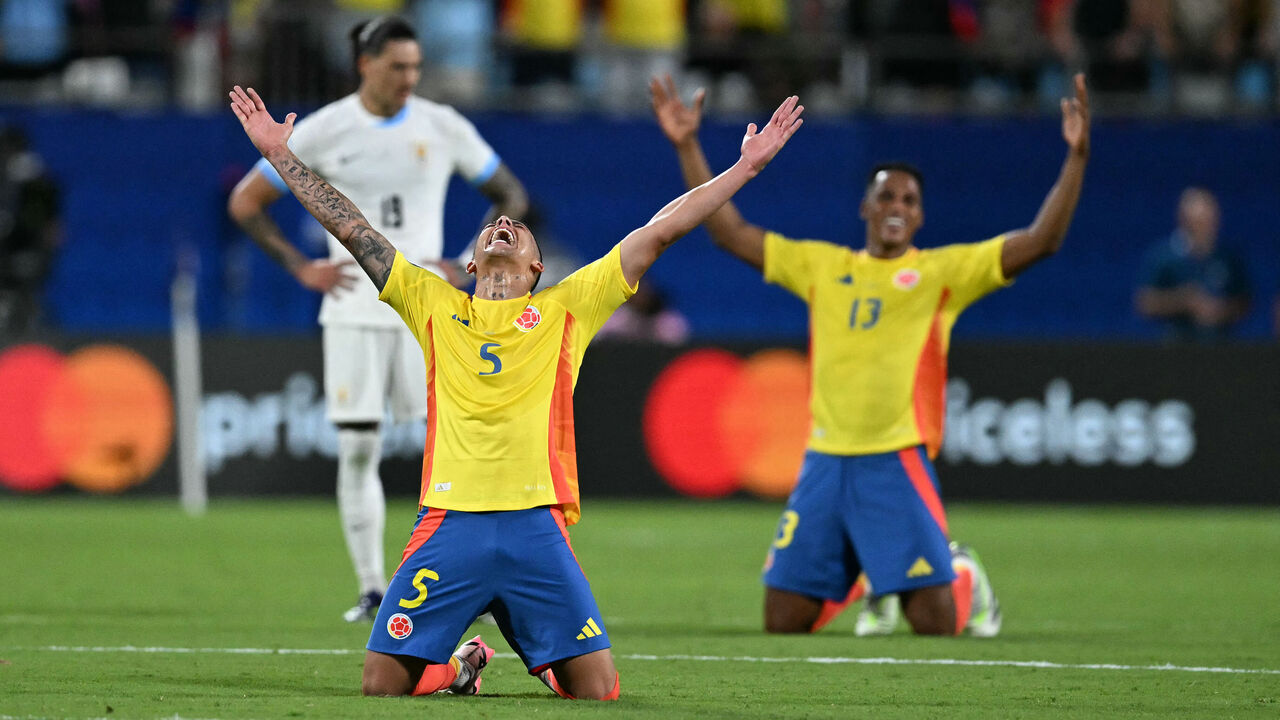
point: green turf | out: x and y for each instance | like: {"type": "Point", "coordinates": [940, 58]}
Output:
{"type": "Point", "coordinates": [1131, 586]}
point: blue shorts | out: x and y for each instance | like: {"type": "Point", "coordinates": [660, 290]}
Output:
{"type": "Point", "coordinates": [878, 514]}
{"type": "Point", "coordinates": [516, 564]}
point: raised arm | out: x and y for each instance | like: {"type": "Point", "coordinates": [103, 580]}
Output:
{"type": "Point", "coordinates": [679, 123]}
{"type": "Point", "coordinates": [1023, 248]}
{"type": "Point", "coordinates": [335, 212]}
{"type": "Point", "coordinates": [643, 246]}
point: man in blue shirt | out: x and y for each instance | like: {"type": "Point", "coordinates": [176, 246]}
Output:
{"type": "Point", "coordinates": [1196, 288]}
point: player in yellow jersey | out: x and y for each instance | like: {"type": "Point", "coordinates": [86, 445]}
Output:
{"type": "Point", "coordinates": [499, 478]}
{"type": "Point", "coordinates": [867, 499]}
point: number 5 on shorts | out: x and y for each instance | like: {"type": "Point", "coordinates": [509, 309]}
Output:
{"type": "Point", "coordinates": [422, 588]}
{"type": "Point", "coordinates": [787, 529]}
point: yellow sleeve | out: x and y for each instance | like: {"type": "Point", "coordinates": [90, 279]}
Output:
{"type": "Point", "coordinates": [788, 263]}
{"type": "Point", "coordinates": [593, 292]}
{"type": "Point", "coordinates": [412, 291]}
{"type": "Point", "coordinates": [973, 270]}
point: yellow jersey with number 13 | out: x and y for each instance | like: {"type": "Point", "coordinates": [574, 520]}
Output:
{"type": "Point", "coordinates": [879, 330]}
{"type": "Point", "coordinates": [500, 377]}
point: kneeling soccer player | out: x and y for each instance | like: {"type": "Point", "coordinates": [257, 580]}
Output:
{"type": "Point", "coordinates": [499, 478]}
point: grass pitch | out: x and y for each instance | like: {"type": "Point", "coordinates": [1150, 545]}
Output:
{"type": "Point", "coordinates": [125, 609]}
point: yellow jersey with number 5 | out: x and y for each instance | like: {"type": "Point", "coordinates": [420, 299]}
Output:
{"type": "Point", "coordinates": [500, 377]}
{"type": "Point", "coordinates": [879, 330]}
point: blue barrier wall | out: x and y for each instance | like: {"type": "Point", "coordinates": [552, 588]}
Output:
{"type": "Point", "coordinates": [141, 188]}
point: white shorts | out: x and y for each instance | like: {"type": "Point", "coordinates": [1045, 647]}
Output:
{"type": "Point", "coordinates": [365, 368]}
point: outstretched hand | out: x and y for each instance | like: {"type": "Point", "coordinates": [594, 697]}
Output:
{"type": "Point", "coordinates": [678, 121]}
{"type": "Point", "coordinates": [1075, 118]}
{"type": "Point", "coordinates": [266, 134]}
{"type": "Point", "coordinates": [758, 148]}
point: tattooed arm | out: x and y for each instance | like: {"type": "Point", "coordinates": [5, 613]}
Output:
{"type": "Point", "coordinates": [335, 212]}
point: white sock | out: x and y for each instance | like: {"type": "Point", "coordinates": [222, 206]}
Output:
{"type": "Point", "coordinates": [361, 505]}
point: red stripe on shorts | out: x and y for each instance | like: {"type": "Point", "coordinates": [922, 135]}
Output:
{"type": "Point", "coordinates": [911, 462]}
{"type": "Point", "coordinates": [421, 534]}
{"type": "Point", "coordinates": [564, 530]}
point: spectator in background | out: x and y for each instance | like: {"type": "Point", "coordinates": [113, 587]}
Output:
{"type": "Point", "coordinates": [1206, 43]}
{"type": "Point", "coordinates": [1259, 48]}
{"type": "Point", "coordinates": [1196, 288]}
{"type": "Point", "coordinates": [645, 38]}
{"type": "Point", "coordinates": [542, 39]}
{"type": "Point", "coordinates": [457, 45]}
{"type": "Point", "coordinates": [736, 48]}
{"type": "Point", "coordinates": [29, 232]}
{"type": "Point", "coordinates": [646, 318]}
{"type": "Point", "coordinates": [925, 43]}
{"type": "Point", "coordinates": [1009, 52]}
{"type": "Point", "coordinates": [1118, 41]}
{"type": "Point", "coordinates": [287, 67]}
{"type": "Point", "coordinates": [33, 37]}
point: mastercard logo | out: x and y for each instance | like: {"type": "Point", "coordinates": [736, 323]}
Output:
{"type": "Point", "coordinates": [100, 418]}
{"type": "Point", "coordinates": [715, 423]}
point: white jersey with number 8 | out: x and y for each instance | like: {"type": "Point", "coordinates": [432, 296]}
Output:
{"type": "Point", "coordinates": [397, 171]}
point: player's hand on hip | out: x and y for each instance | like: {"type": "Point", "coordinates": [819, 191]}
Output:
{"type": "Point", "coordinates": [678, 121]}
{"type": "Point", "coordinates": [758, 148]}
{"type": "Point", "coordinates": [326, 276]}
{"type": "Point", "coordinates": [1075, 118]}
{"type": "Point", "coordinates": [266, 134]}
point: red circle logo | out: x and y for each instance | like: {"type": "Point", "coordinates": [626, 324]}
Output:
{"type": "Point", "coordinates": [101, 418]}
{"type": "Point", "coordinates": [715, 423]}
{"type": "Point", "coordinates": [528, 319]}
{"type": "Point", "coordinates": [399, 626]}
{"type": "Point", "coordinates": [906, 279]}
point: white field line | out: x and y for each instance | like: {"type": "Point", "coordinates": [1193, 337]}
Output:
{"type": "Point", "coordinates": [1035, 664]}
{"type": "Point", "coordinates": [48, 718]}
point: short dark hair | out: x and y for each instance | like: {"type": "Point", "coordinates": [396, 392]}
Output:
{"type": "Point", "coordinates": [907, 168]}
{"type": "Point", "coordinates": [371, 36]}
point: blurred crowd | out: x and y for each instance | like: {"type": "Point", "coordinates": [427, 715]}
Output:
{"type": "Point", "coordinates": [1186, 56]}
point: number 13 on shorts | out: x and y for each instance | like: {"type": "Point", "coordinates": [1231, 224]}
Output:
{"type": "Point", "coordinates": [423, 574]}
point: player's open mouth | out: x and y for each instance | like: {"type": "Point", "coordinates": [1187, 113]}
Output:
{"type": "Point", "coordinates": [501, 235]}
{"type": "Point", "coordinates": [896, 223]}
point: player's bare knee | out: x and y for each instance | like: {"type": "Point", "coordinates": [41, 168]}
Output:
{"type": "Point", "coordinates": [789, 613]}
{"type": "Point", "coordinates": [782, 623]}
{"type": "Point", "coordinates": [384, 676]}
{"type": "Point", "coordinates": [594, 687]}
{"type": "Point", "coordinates": [929, 620]}
{"type": "Point", "coordinates": [376, 686]}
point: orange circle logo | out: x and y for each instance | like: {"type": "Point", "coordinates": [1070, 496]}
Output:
{"type": "Point", "coordinates": [715, 423]}
{"type": "Point", "coordinates": [100, 418]}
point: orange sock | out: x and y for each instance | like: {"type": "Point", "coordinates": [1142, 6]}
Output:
{"type": "Point", "coordinates": [548, 678]}
{"type": "Point", "coordinates": [832, 608]}
{"type": "Point", "coordinates": [962, 592]}
{"type": "Point", "coordinates": [616, 692]}
{"type": "Point", "coordinates": [436, 678]}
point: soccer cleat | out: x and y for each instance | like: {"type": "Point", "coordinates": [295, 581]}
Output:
{"type": "Point", "coordinates": [879, 616]}
{"type": "Point", "coordinates": [985, 617]}
{"type": "Point", "coordinates": [366, 607]}
{"type": "Point", "coordinates": [473, 655]}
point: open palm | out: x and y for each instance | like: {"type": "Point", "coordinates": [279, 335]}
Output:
{"type": "Point", "coordinates": [1075, 117]}
{"type": "Point", "coordinates": [758, 148]}
{"type": "Point", "coordinates": [678, 121]}
{"type": "Point", "coordinates": [264, 132]}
